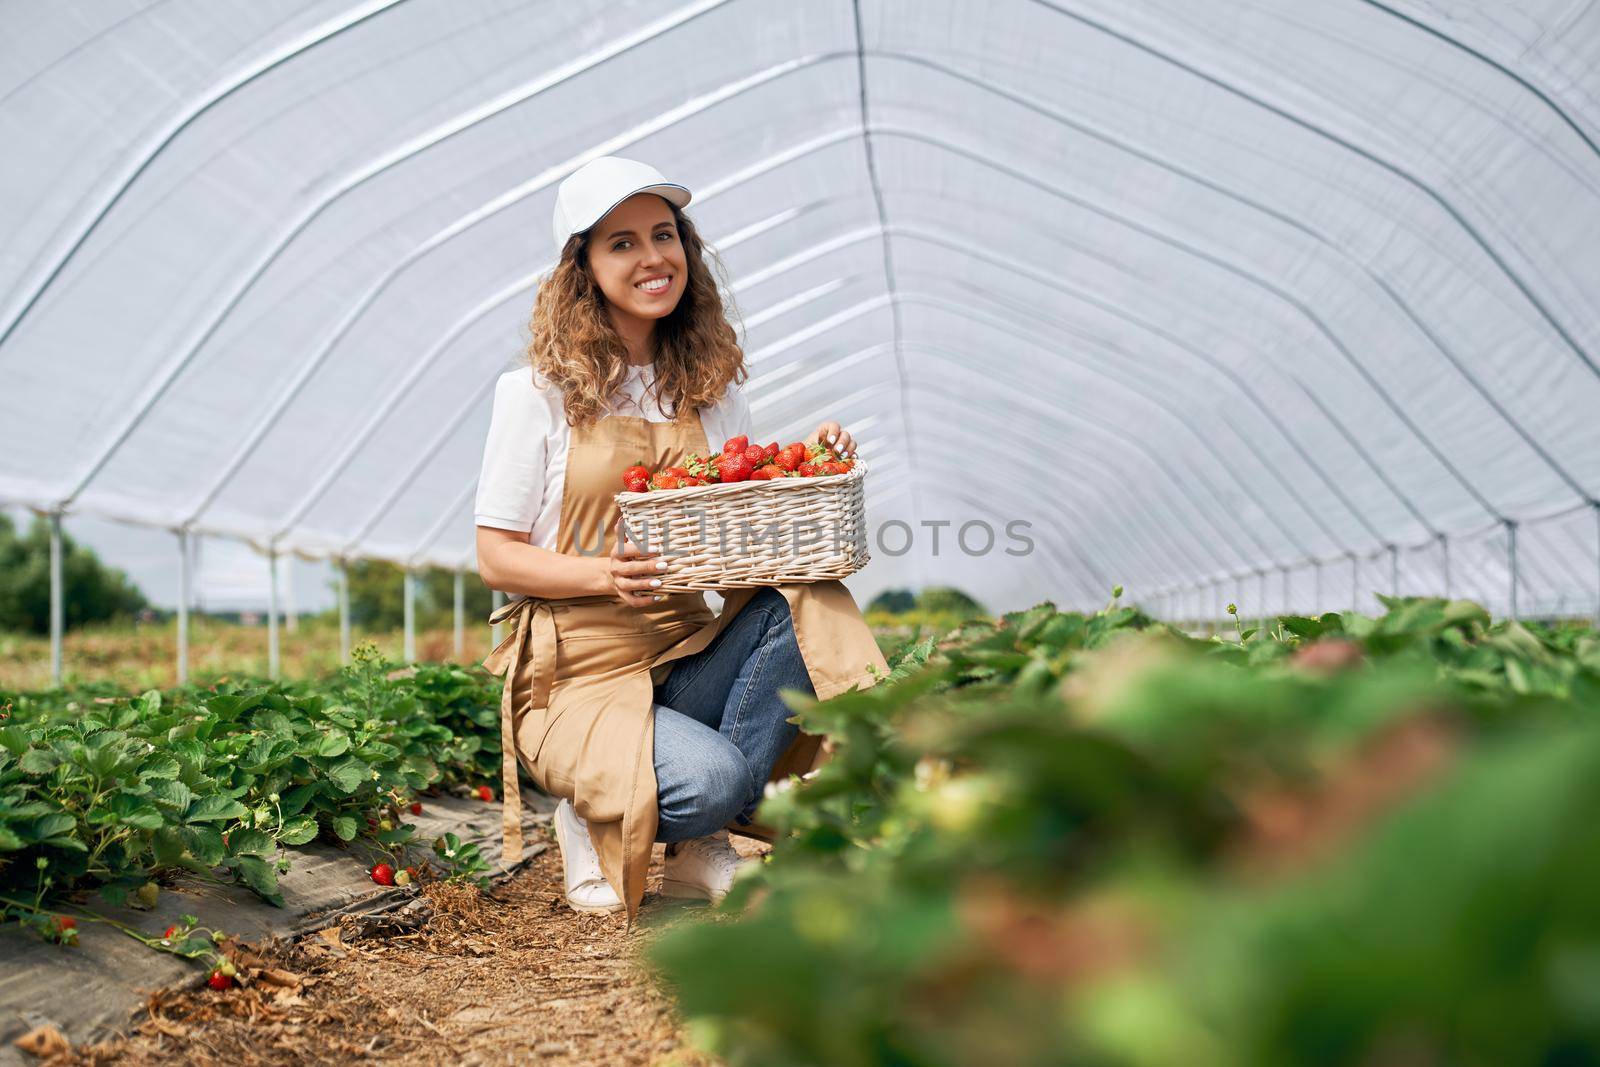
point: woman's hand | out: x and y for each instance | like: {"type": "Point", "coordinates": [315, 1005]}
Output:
{"type": "Point", "coordinates": [632, 572]}
{"type": "Point", "coordinates": [831, 433]}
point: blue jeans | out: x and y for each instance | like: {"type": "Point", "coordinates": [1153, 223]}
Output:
{"type": "Point", "coordinates": [719, 722]}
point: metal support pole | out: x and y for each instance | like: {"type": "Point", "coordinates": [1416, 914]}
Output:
{"type": "Point", "coordinates": [497, 600]}
{"type": "Point", "coordinates": [409, 654]}
{"type": "Point", "coordinates": [1261, 601]}
{"type": "Point", "coordinates": [1286, 610]}
{"type": "Point", "coordinates": [460, 611]}
{"type": "Point", "coordinates": [1394, 570]}
{"type": "Point", "coordinates": [1511, 562]}
{"type": "Point", "coordinates": [1444, 550]}
{"type": "Point", "coordinates": [1316, 587]}
{"type": "Point", "coordinates": [344, 611]}
{"type": "Point", "coordinates": [183, 605]}
{"type": "Point", "coordinates": [291, 618]}
{"type": "Point", "coordinates": [1355, 583]}
{"type": "Point", "coordinates": [272, 614]}
{"type": "Point", "coordinates": [57, 609]}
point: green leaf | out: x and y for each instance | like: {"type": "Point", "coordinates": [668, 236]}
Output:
{"type": "Point", "coordinates": [215, 808]}
{"type": "Point", "coordinates": [205, 844]}
{"type": "Point", "coordinates": [174, 795]}
{"type": "Point", "coordinates": [344, 827]}
{"type": "Point", "coordinates": [158, 766]}
{"type": "Point", "coordinates": [260, 876]}
{"type": "Point", "coordinates": [335, 743]}
{"type": "Point", "coordinates": [136, 812]}
{"type": "Point", "coordinates": [349, 774]}
{"type": "Point", "coordinates": [250, 843]}
{"type": "Point", "coordinates": [299, 831]}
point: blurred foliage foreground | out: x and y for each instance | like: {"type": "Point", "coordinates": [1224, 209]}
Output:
{"type": "Point", "coordinates": [1065, 839]}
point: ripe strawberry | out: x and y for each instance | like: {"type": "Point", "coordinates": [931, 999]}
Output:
{"type": "Point", "coordinates": [770, 450]}
{"type": "Point", "coordinates": [383, 874]}
{"type": "Point", "coordinates": [664, 481]}
{"type": "Point", "coordinates": [485, 794]}
{"type": "Point", "coordinates": [172, 931]}
{"type": "Point", "coordinates": [756, 455]}
{"type": "Point", "coordinates": [679, 473]}
{"type": "Point", "coordinates": [693, 479]}
{"type": "Point", "coordinates": [412, 871]}
{"type": "Point", "coordinates": [635, 471]}
{"type": "Point", "coordinates": [218, 980]}
{"type": "Point", "coordinates": [761, 474]}
{"type": "Point", "coordinates": [735, 444]}
{"type": "Point", "coordinates": [734, 467]}
{"type": "Point", "coordinates": [789, 458]}
{"type": "Point", "coordinates": [637, 485]}
{"type": "Point", "coordinates": [807, 470]}
{"type": "Point", "coordinates": [831, 466]}
{"type": "Point", "coordinates": [416, 808]}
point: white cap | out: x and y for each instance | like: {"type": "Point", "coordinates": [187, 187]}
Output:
{"type": "Point", "coordinates": [586, 194]}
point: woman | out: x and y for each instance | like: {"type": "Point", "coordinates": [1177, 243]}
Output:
{"type": "Point", "coordinates": [651, 718]}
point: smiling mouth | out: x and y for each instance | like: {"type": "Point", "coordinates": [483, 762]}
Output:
{"type": "Point", "coordinates": [655, 286]}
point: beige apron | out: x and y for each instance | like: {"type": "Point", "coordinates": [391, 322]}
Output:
{"type": "Point", "coordinates": [581, 672]}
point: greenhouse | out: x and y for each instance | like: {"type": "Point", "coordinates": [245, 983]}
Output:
{"type": "Point", "coordinates": [1218, 311]}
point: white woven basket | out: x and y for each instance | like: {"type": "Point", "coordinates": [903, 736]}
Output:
{"type": "Point", "coordinates": [753, 533]}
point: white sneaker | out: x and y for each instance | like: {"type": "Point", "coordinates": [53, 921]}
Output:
{"type": "Point", "coordinates": [701, 868]}
{"type": "Point", "coordinates": [586, 885]}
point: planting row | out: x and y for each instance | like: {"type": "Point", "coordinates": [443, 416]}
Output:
{"type": "Point", "coordinates": [105, 792]}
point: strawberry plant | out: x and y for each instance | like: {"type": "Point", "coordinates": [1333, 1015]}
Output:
{"type": "Point", "coordinates": [1090, 838]}
{"type": "Point", "coordinates": [106, 792]}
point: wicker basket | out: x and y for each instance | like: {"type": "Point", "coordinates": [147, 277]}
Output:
{"type": "Point", "coordinates": [753, 533]}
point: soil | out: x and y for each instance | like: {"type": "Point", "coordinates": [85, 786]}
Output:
{"type": "Point", "coordinates": [461, 977]}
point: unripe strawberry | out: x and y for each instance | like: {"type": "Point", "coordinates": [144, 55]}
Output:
{"type": "Point", "coordinates": [402, 878]}
{"type": "Point", "coordinates": [226, 967]}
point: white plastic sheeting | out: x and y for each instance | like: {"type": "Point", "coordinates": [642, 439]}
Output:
{"type": "Point", "coordinates": [1281, 302]}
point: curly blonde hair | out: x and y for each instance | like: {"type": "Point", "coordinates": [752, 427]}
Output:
{"type": "Point", "coordinates": [574, 346]}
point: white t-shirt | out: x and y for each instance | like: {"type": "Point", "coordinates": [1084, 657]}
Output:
{"type": "Point", "coordinates": [525, 457]}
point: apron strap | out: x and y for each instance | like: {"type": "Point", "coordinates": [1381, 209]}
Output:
{"type": "Point", "coordinates": [533, 635]}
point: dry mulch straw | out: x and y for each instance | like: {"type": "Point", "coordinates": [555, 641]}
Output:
{"type": "Point", "coordinates": [457, 977]}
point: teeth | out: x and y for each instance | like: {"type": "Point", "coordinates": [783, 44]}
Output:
{"type": "Point", "coordinates": [654, 286]}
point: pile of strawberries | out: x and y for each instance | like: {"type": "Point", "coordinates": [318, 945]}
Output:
{"type": "Point", "coordinates": [740, 461]}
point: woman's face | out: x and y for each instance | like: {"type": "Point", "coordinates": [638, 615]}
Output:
{"type": "Point", "coordinates": [635, 242]}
